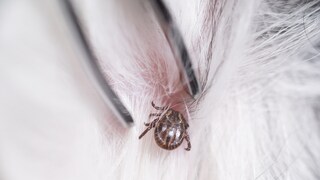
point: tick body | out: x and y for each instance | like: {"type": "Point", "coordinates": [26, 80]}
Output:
{"type": "Point", "coordinates": [170, 128]}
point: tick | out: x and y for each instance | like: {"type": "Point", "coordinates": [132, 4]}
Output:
{"type": "Point", "coordinates": [170, 128]}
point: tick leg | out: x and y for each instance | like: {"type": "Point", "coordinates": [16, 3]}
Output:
{"type": "Point", "coordinates": [152, 114]}
{"type": "Point", "coordinates": [157, 107]}
{"type": "Point", "coordinates": [155, 114]}
{"type": "Point", "coordinates": [188, 141]}
{"type": "Point", "coordinates": [187, 125]}
{"type": "Point", "coordinates": [150, 126]}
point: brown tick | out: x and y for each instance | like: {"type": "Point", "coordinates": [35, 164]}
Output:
{"type": "Point", "coordinates": [170, 128]}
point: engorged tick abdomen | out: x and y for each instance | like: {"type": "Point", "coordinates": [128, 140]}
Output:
{"type": "Point", "coordinates": [169, 134]}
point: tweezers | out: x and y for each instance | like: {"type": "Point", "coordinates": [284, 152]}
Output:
{"type": "Point", "coordinates": [93, 69]}
{"type": "Point", "coordinates": [177, 45]}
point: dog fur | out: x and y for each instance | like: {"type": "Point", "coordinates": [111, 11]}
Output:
{"type": "Point", "coordinates": [257, 116]}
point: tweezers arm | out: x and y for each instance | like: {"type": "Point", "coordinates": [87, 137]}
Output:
{"type": "Point", "coordinates": [93, 69]}
{"type": "Point", "coordinates": [177, 45]}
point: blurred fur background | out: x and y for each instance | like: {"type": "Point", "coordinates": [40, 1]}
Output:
{"type": "Point", "coordinates": [257, 116]}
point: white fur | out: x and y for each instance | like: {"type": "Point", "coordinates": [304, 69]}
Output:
{"type": "Point", "coordinates": [257, 117]}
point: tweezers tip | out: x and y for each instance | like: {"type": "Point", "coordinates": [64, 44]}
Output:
{"type": "Point", "coordinates": [129, 125]}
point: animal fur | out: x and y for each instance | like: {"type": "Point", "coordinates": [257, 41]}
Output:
{"type": "Point", "coordinates": [257, 116]}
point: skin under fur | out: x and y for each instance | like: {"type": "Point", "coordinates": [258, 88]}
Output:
{"type": "Point", "coordinates": [257, 116]}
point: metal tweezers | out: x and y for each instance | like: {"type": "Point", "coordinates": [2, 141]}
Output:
{"type": "Point", "coordinates": [177, 46]}
{"type": "Point", "coordinates": [94, 71]}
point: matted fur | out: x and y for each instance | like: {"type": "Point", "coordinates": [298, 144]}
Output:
{"type": "Point", "coordinates": [257, 116]}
